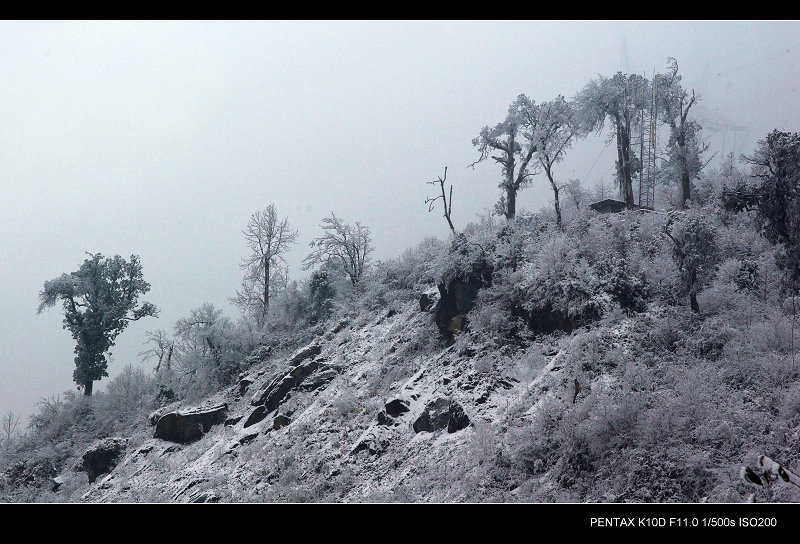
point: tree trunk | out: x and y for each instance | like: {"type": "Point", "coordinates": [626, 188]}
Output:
{"type": "Point", "coordinates": [266, 291]}
{"type": "Point", "coordinates": [87, 388]}
{"type": "Point", "coordinates": [686, 185]}
{"type": "Point", "coordinates": [556, 202]}
{"type": "Point", "coordinates": [693, 293]}
{"type": "Point", "coordinates": [626, 170]}
{"type": "Point", "coordinates": [511, 202]}
{"type": "Point", "coordinates": [685, 188]}
{"type": "Point", "coordinates": [624, 158]}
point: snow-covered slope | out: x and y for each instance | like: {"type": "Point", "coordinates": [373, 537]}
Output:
{"type": "Point", "coordinates": [334, 447]}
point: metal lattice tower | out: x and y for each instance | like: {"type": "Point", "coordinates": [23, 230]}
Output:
{"type": "Point", "coordinates": [648, 145]}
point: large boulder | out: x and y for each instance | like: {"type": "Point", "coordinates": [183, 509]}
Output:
{"type": "Point", "coordinates": [434, 417]}
{"type": "Point", "coordinates": [458, 418]}
{"type": "Point", "coordinates": [280, 421]}
{"type": "Point", "coordinates": [395, 407]}
{"type": "Point", "coordinates": [307, 352]}
{"type": "Point", "coordinates": [256, 416]}
{"type": "Point", "coordinates": [102, 457]}
{"type": "Point", "coordinates": [457, 297]}
{"type": "Point", "coordinates": [318, 379]}
{"type": "Point", "coordinates": [272, 395]}
{"type": "Point", "coordinates": [374, 440]}
{"type": "Point", "coordinates": [189, 424]}
{"type": "Point", "coordinates": [441, 413]}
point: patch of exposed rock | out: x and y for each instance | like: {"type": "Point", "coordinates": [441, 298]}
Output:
{"type": "Point", "coordinates": [441, 413]}
{"type": "Point", "coordinates": [190, 424]}
{"type": "Point", "coordinates": [102, 457]}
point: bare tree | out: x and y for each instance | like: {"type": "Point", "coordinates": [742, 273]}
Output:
{"type": "Point", "coordinates": [447, 203]}
{"type": "Point", "coordinates": [9, 429]}
{"type": "Point", "coordinates": [160, 348]}
{"type": "Point", "coordinates": [346, 245]}
{"type": "Point", "coordinates": [269, 239]}
{"type": "Point", "coordinates": [513, 157]}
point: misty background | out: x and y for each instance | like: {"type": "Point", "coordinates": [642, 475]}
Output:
{"type": "Point", "coordinates": [161, 139]}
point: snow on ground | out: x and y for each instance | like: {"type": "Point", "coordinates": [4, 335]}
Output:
{"type": "Point", "coordinates": [334, 438]}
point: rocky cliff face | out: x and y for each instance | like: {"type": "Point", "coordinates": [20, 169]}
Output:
{"type": "Point", "coordinates": [365, 413]}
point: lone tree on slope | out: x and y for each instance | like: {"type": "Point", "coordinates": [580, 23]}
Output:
{"type": "Point", "coordinates": [268, 238]}
{"type": "Point", "coordinates": [100, 299]}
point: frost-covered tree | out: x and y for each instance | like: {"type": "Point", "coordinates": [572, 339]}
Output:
{"type": "Point", "coordinates": [618, 99]}
{"type": "Point", "coordinates": [550, 129]}
{"type": "Point", "coordinates": [269, 239]}
{"type": "Point", "coordinates": [99, 300]}
{"type": "Point", "coordinates": [695, 250]}
{"type": "Point", "coordinates": [684, 148]}
{"type": "Point", "coordinates": [9, 427]}
{"type": "Point", "coordinates": [776, 163]}
{"type": "Point", "coordinates": [342, 244]}
{"type": "Point", "coordinates": [159, 347]}
{"type": "Point", "coordinates": [513, 153]}
{"type": "Point", "coordinates": [206, 346]}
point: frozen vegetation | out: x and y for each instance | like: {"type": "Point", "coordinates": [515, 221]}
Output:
{"type": "Point", "coordinates": [564, 355]}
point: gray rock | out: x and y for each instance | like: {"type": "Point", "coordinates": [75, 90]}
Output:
{"type": "Point", "coordinates": [395, 407]}
{"type": "Point", "coordinates": [57, 482]}
{"type": "Point", "coordinates": [102, 457]}
{"type": "Point", "coordinates": [374, 441]}
{"type": "Point", "coordinates": [272, 395]}
{"type": "Point", "coordinates": [189, 424]}
{"type": "Point", "coordinates": [385, 419]}
{"type": "Point", "coordinates": [244, 383]}
{"type": "Point", "coordinates": [280, 421]}
{"type": "Point", "coordinates": [434, 417]}
{"type": "Point", "coordinates": [256, 416]}
{"type": "Point", "coordinates": [425, 302]}
{"type": "Point", "coordinates": [439, 414]}
{"type": "Point", "coordinates": [318, 379]}
{"type": "Point", "coordinates": [311, 350]}
{"type": "Point", "coordinates": [458, 418]}
{"type": "Point", "coordinates": [231, 421]}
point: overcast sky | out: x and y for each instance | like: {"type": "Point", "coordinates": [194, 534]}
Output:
{"type": "Point", "coordinates": [161, 138]}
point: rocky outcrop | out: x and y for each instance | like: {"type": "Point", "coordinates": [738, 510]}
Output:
{"type": "Point", "coordinates": [457, 297]}
{"type": "Point", "coordinates": [307, 352]}
{"type": "Point", "coordinates": [458, 418]}
{"type": "Point", "coordinates": [187, 425]}
{"type": "Point", "coordinates": [280, 421]}
{"type": "Point", "coordinates": [272, 395]}
{"type": "Point", "coordinates": [439, 414]}
{"type": "Point", "coordinates": [547, 320]}
{"type": "Point", "coordinates": [102, 457]}
{"type": "Point", "coordinates": [395, 407]}
{"type": "Point", "coordinates": [318, 379]}
{"type": "Point", "coordinates": [256, 416]}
